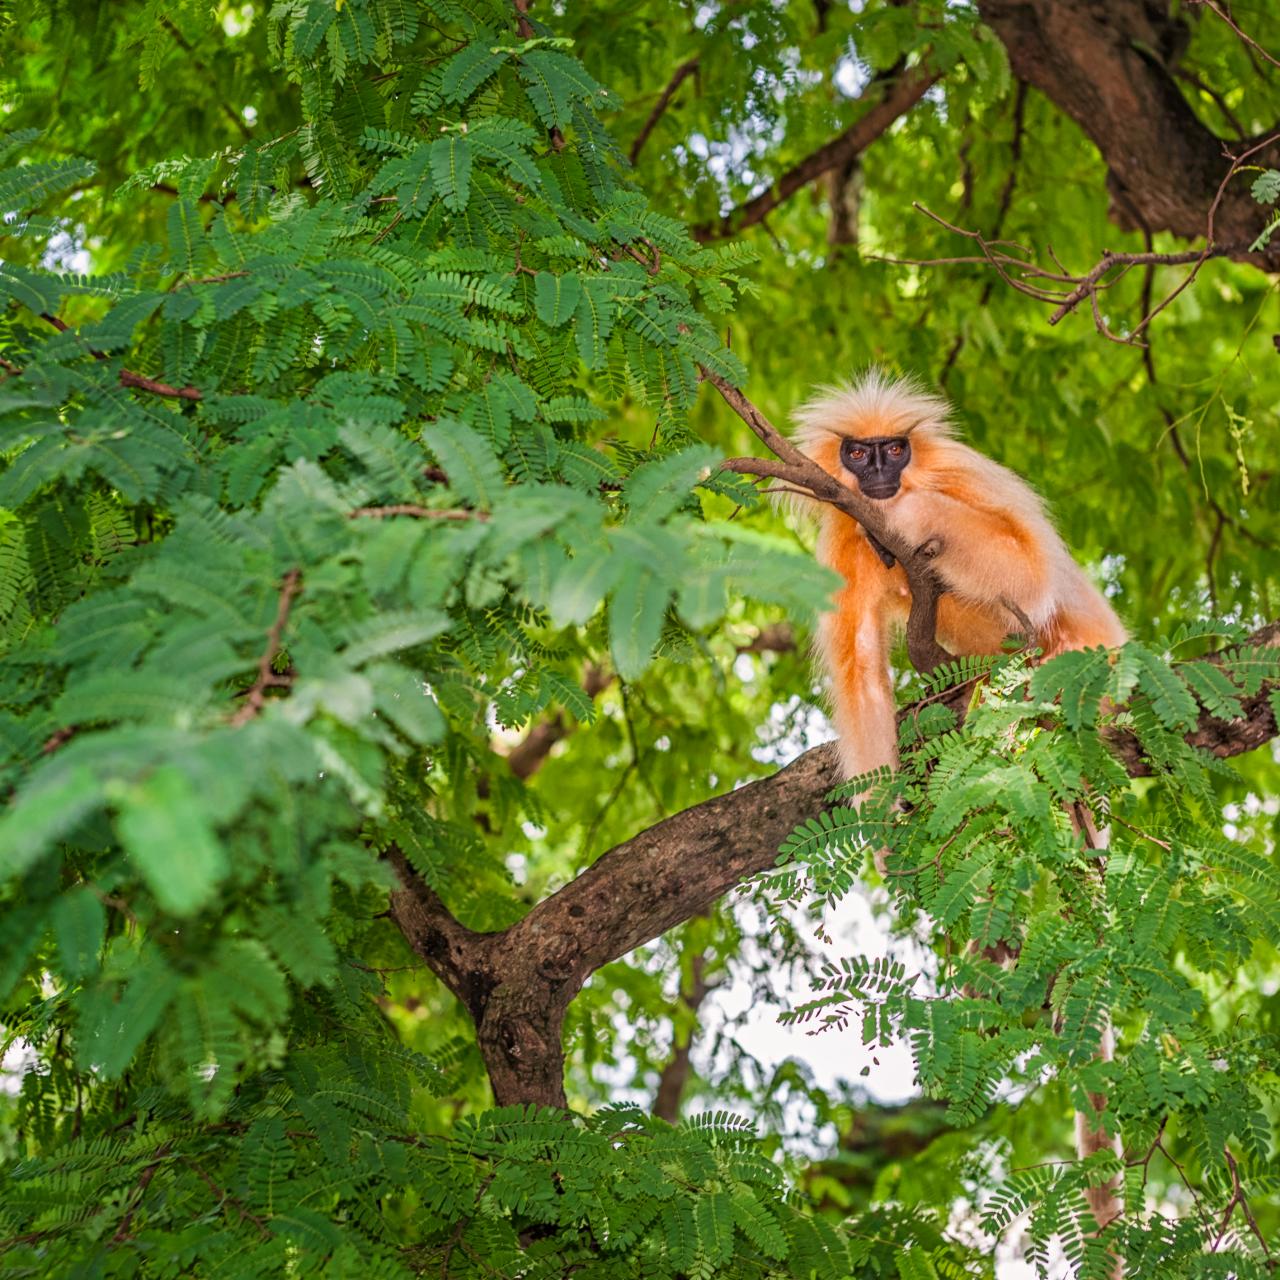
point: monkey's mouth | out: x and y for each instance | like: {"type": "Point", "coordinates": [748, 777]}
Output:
{"type": "Point", "coordinates": [879, 492]}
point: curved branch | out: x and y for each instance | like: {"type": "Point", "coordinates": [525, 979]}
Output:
{"type": "Point", "coordinates": [1112, 68]}
{"type": "Point", "coordinates": [679, 76]}
{"type": "Point", "coordinates": [517, 983]}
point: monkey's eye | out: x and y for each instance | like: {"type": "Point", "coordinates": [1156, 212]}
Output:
{"type": "Point", "coordinates": [895, 451]}
{"type": "Point", "coordinates": [857, 454]}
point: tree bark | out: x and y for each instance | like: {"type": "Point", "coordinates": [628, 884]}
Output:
{"type": "Point", "coordinates": [517, 983]}
{"type": "Point", "coordinates": [1111, 66]}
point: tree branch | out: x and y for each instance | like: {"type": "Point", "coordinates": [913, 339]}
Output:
{"type": "Point", "coordinates": [1068, 291]}
{"type": "Point", "coordinates": [900, 96]}
{"type": "Point", "coordinates": [678, 77]}
{"type": "Point", "coordinates": [518, 983]}
{"type": "Point", "coordinates": [256, 697]}
{"type": "Point", "coordinates": [127, 377]}
{"type": "Point", "coordinates": [1112, 68]}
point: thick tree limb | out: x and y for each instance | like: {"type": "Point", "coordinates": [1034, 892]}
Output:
{"type": "Point", "coordinates": [899, 96]}
{"type": "Point", "coordinates": [517, 984]}
{"type": "Point", "coordinates": [1111, 66]}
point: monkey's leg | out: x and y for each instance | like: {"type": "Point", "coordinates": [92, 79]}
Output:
{"type": "Point", "coordinates": [853, 642]}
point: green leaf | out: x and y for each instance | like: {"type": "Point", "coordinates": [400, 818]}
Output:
{"type": "Point", "coordinates": [451, 170]}
{"type": "Point", "coordinates": [465, 72]}
{"type": "Point", "coordinates": [311, 28]}
{"type": "Point", "coordinates": [79, 922]}
{"type": "Point", "coordinates": [471, 465]}
{"type": "Point", "coordinates": [44, 814]}
{"type": "Point", "coordinates": [636, 613]}
{"type": "Point", "coordinates": [581, 584]}
{"type": "Point", "coordinates": [556, 297]}
{"type": "Point", "coordinates": [653, 491]}
{"type": "Point", "coordinates": [169, 839]}
{"type": "Point", "coordinates": [595, 321]}
{"type": "Point", "coordinates": [389, 632]}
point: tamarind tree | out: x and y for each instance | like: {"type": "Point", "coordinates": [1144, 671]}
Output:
{"type": "Point", "coordinates": [399, 651]}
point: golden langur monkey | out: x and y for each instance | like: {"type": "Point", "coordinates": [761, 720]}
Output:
{"type": "Point", "coordinates": [994, 547]}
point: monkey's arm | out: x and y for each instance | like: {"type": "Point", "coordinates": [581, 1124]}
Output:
{"type": "Point", "coordinates": [983, 553]}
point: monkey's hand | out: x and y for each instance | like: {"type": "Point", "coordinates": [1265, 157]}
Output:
{"type": "Point", "coordinates": [886, 556]}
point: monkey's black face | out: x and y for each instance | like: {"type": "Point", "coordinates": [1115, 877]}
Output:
{"type": "Point", "coordinates": [876, 462]}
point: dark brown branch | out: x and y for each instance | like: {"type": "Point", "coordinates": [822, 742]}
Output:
{"type": "Point", "coordinates": [1112, 69]}
{"type": "Point", "coordinates": [675, 1075]}
{"type": "Point", "coordinates": [776, 637]}
{"type": "Point", "coordinates": [127, 377]}
{"type": "Point", "coordinates": [517, 984]}
{"type": "Point", "coordinates": [803, 474]}
{"type": "Point", "coordinates": [678, 77]}
{"type": "Point", "coordinates": [130, 379]}
{"type": "Point", "coordinates": [1221, 738]}
{"type": "Point", "coordinates": [455, 953]}
{"type": "Point", "coordinates": [256, 697]}
{"type": "Point", "coordinates": [900, 96]}
{"type": "Point", "coordinates": [417, 512]}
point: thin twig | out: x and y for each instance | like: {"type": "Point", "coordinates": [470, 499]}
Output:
{"type": "Point", "coordinates": [1020, 273]}
{"type": "Point", "coordinates": [144, 1181]}
{"type": "Point", "coordinates": [419, 513]}
{"type": "Point", "coordinates": [256, 698]}
{"type": "Point", "coordinates": [1248, 39]}
{"type": "Point", "coordinates": [678, 77]}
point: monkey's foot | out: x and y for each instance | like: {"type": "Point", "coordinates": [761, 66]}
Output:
{"type": "Point", "coordinates": [886, 556]}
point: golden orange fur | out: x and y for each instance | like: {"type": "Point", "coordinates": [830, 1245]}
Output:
{"type": "Point", "coordinates": [998, 547]}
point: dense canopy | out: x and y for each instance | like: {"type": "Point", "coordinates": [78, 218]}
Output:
{"type": "Point", "coordinates": [413, 773]}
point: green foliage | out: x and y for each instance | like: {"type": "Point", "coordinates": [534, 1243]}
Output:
{"type": "Point", "coordinates": [1050, 940]}
{"type": "Point", "coordinates": [352, 439]}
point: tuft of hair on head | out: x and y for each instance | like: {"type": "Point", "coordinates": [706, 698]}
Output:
{"type": "Point", "coordinates": [874, 404]}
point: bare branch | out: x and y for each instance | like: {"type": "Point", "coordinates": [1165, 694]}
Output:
{"type": "Point", "coordinates": [256, 698]}
{"type": "Point", "coordinates": [1067, 291]}
{"type": "Point", "coordinates": [900, 96]}
{"type": "Point", "coordinates": [678, 77]}
{"type": "Point", "coordinates": [417, 512]}
{"type": "Point", "coordinates": [130, 379]}
{"type": "Point", "coordinates": [1248, 39]}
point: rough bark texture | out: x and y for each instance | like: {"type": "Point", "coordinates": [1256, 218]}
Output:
{"type": "Point", "coordinates": [517, 984]}
{"type": "Point", "coordinates": [1111, 66]}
